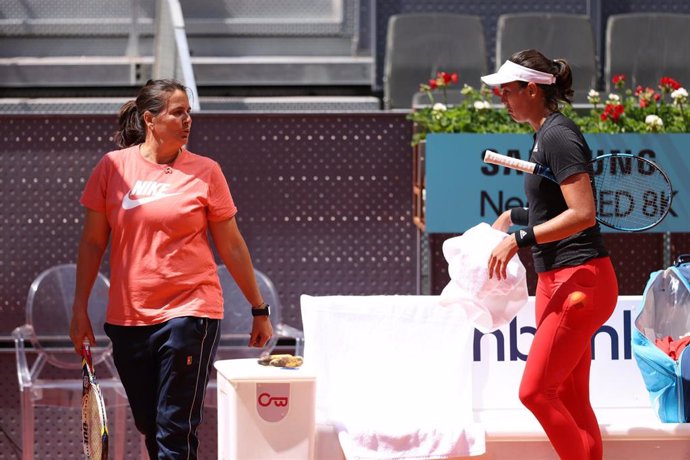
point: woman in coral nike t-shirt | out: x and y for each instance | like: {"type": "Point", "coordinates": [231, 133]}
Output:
{"type": "Point", "coordinates": [156, 200]}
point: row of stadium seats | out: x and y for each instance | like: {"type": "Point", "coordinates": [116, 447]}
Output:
{"type": "Point", "coordinates": [643, 47]}
{"type": "Point", "coordinates": [112, 43]}
{"type": "Point", "coordinates": [105, 48]}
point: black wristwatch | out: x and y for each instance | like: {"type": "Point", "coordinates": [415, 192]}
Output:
{"type": "Point", "coordinates": [261, 310]}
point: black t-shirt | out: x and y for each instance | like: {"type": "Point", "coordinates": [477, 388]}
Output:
{"type": "Point", "coordinates": [560, 145]}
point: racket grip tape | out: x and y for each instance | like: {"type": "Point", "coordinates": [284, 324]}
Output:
{"type": "Point", "coordinates": [492, 157]}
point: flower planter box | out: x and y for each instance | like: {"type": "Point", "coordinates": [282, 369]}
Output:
{"type": "Point", "coordinates": [454, 190]}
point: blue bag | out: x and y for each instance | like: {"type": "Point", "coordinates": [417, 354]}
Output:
{"type": "Point", "coordinates": [665, 312]}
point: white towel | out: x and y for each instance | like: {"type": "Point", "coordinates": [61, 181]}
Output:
{"type": "Point", "coordinates": [488, 303]}
{"type": "Point", "coordinates": [394, 375]}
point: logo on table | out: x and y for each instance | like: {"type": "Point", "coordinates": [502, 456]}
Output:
{"type": "Point", "coordinates": [272, 400]}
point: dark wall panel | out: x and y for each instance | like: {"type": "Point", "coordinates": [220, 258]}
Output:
{"type": "Point", "coordinates": [324, 200]}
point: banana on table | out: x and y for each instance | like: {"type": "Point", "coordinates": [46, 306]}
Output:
{"type": "Point", "coordinates": [284, 360]}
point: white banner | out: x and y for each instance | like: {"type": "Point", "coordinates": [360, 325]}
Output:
{"type": "Point", "coordinates": [499, 360]}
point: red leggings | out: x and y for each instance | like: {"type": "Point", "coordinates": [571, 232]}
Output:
{"type": "Point", "coordinates": [571, 304]}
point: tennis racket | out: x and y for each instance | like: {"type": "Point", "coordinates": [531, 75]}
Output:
{"type": "Point", "coordinates": [632, 193]}
{"type": "Point", "coordinates": [93, 416]}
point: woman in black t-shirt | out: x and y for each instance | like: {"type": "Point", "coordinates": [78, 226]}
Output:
{"type": "Point", "coordinates": [577, 288]}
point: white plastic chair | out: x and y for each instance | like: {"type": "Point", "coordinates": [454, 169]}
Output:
{"type": "Point", "coordinates": [237, 324]}
{"type": "Point", "coordinates": [48, 315]}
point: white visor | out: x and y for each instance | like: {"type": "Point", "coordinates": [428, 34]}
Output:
{"type": "Point", "coordinates": [511, 71]}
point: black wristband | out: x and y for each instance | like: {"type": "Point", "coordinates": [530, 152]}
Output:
{"type": "Point", "coordinates": [525, 237]}
{"type": "Point", "coordinates": [519, 216]}
{"type": "Point", "coordinates": [261, 310]}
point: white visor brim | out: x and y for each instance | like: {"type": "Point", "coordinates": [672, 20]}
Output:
{"type": "Point", "coordinates": [511, 71]}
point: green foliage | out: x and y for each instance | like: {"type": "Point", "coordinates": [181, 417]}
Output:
{"type": "Point", "coordinates": [478, 112]}
{"type": "Point", "coordinates": [642, 110]}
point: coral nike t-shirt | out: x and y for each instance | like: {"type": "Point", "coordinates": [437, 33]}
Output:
{"type": "Point", "coordinates": [161, 264]}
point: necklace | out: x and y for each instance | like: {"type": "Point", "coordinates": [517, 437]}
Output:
{"type": "Point", "coordinates": [169, 163]}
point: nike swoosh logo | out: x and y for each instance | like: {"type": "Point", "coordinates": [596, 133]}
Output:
{"type": "Point", "coordinates": [129, 203]}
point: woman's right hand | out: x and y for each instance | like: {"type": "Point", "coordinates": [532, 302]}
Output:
{"type": "Point", "coordinates": [80, 329]}
{"type": "Point", "coordinates": [503, 222]}
{"type": "Point", "coordinates": [501, 256]}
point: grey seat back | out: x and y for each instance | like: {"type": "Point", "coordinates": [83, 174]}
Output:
{"type": "Point", "coordinates": [646, 47]}
{"type": "Point", "coordinates": [557, 36]}
{"type": "Point", "coordinates": [420, 45]}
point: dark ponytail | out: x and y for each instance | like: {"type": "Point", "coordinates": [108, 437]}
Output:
{"type": "Point", "coordinates": [152, 97]}
{"type": "Point", "coordinates": [131, 131]}
{"type": "Point", "coordinates": [557, 93]}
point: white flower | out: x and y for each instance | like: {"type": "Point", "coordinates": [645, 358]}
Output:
{"type": "Point", "coordinates": [593, 97]}
{"type": "Point", "coordinates": [680, 92]}
{"type": "Point", "coordinates": [437, 110]}
{"type": "Point", "coordinates": [613, 98]}
{"type": "Point", "coordinates": [482, 105]}
{"type": "Point", "coordinates": [679, 96]}
{"type": "Point", "coordinates": [654, 121]}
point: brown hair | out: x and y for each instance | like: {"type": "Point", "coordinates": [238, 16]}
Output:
{"type": "Point", "coordinates": [153, 96]}
{"type": "Point", "coordinates": [562, 90]}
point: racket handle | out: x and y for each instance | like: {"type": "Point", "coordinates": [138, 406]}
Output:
{"type": "Point", "coordinates": [86, 350]}
{"type": "Point", "coordinates": [512, 163]}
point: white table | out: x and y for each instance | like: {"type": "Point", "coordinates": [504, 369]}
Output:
{"type": "Point", "coordinates": [264, 413]}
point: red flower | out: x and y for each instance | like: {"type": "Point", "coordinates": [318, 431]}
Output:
{"type": "Point", "coordinates": [444, 76]}
{"type": "Point", "coordinates": [613, 112]}
{"type": "Point", "coordinates": [432, 84]}
{"type": "Point", "coordinates": [669, 84]}
{"type": "Point", "coordinates": [618, 80]}
{"type": "Point", "coordinates": [497, 91]}
{"type": "Point", "coordinates": [454, 78]}
{"type": "Point", "coordinates": [646, 95]}
{"type": "Point", "coordinates": [617, 112]}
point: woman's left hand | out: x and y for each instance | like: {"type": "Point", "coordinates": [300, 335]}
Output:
{"type": "Point", "coordinates": [501, 255]}
{"type": "Point", "coordinates": [262, 331]}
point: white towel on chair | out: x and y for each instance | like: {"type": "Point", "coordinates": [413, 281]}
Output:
{"type": "Point", "coordinates": [488, 303]}
{"type": "Point", "coordinates": [394, 375]}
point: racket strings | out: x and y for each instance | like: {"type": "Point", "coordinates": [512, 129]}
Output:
{"type": "Point", "coordinates": [630, 193]}
{"type": "Point", "coordinates": [94, 418]}
{"type": "Point", "coordinates": [95, 424]}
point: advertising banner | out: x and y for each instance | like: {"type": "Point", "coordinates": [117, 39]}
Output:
{"type": "Point", "coordinates": [615, 380]}
{"type": "Point", "coordinates": [462, 190]}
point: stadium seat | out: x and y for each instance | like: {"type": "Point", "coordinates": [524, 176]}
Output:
{"type": "Point", "coordinates": [645, 47]}
{"type": "Point", "coordinates": [565, 36]}
{"type": "Point", "coordinates": [420, 45]}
